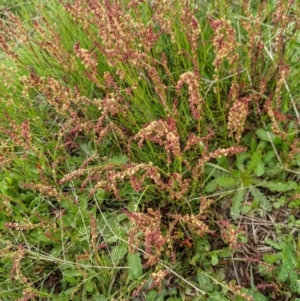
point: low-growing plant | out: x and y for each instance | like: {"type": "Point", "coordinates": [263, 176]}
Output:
{"type": "Point", "coordinates": [149, 150]}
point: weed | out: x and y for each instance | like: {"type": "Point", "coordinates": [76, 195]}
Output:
{"type": "Point", "coordinates": [149, 150]}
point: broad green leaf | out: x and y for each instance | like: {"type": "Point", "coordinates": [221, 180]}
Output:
{"type": "Point", "coordinates": [220, 274]}
{"type": "Point", "coordinates": [283, 274]}
{"type": "Point", "coordinates": [279, 202]}
{"type": "Point", "coordinates": [204, 281]}
{"type": "Point", "coordinates": [255, 160]}
{"type": "Point", "coordinates": [255, 204]}
{"type": "Point", "coordinates": [246, 209]}
{"type": "Point", "coordinates": [3, 187]}
{"type": "Point", "coordinates": [216, 296]}
{"type": "Point", "coordinates": [293, 276]}
{"type": "Point", "coordinates": [195, 259]}
{"type": "Point", "coordinates": [261, 198]}
{"type": "Point", "coordinates": [273, 171]}
{"type": "Point", "coordinates": [118, 253]}
{"type": "Point", "coordinates": [259, 297]}
{"type": "Point", "coordinates": [87, 148]}
{"type": "Point", "coordinates": [211, 186]}
{"type": "Point", "coordinates": [295, 287]}
{"type": "Point", "coordinates": [285, 146]}
{"type": "Point", "coordinates": [268, 156]}
{"type": "Point", "coordinates": [223, 162]}
{"type": "Point", "coordinates": [289, 255]}
{"type": "Point", "coordinates": [237, 203]}
{"type": "Point", "coordinates": [83, 201]}
{"type": "Point", "coordinates": [262, 145]}
{"type": "Point", "coordinates": [71, 280]}
{"type": "Point", "coordinates": [42, 238]}
{"type": "Point", "coordinates": [100, 195]}
{"type": "Point", "coordinates": [72, 273]}
{"type": "Point", "coordinates": [266, 135]}
{"type": "Point", "coordinates": [68, 292]}
{"type": "Point", "coordinates": [214, 258]}
{"type": "Point", "coordinates": [240, 160]}
{"type": "Point", "coordinates": [226, 182]}
{"type": "Point", "coordinates": [259, 170]}
{"type": "Point", "coordinates": [151, 296]}
{"type": "Point", "coordinates": [56, 251]}
{"type": "Point", "coordinates": [256, 193]}
{"type": "Point", "coordinates": [121, 217]}
{"type": "Point", "coordinates": [161, 296]}
{"type": "Point", "coordinates": [135, 266]}
{"type": "Point", "coordinates": [173, 291]}
{"type": "Point", "coordinates": [281, 186]}
{"type": "Point", "coordinates": [88, 286]}
{"type": "Point", "coordinates": [9, 180]}
{"type": "Point", "coordinates": [270, 258]}
{"type": "Point", "coordinates": [273, 244]}
{"type": "Point", "coordinates": [264, 270]}
{"type": "Point", "coordinates": [236, 174]}
{"type": "Point", "coordinates": [294, 204]}
{"type": "Point", "coordinates": [121, 159]}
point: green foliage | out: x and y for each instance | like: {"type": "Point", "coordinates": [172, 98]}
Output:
{"type": "Point", "coordinates": [135, 266]}
{"type": "Point", "coordinates": [149, 149]}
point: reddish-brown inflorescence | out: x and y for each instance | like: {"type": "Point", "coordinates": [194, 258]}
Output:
{"type": "Point", "coordinates": [29, 294]}
{"type": "Point", "coordinates": [90, 62]}
{"type": "Point", "coordinates": [237, 117]}
{"type": "Point", "coordinates": [275, 117]}
{"type": "Point", "coordinates": [109, 177]}
{"type": "Point", "coordinates": [19, 134]}
{"type": "Point", "coordinates": [45, 189]}
{"type": "Point", "coordinates": [157, 279]}
{"type": "Point", "coordinates": [13, 35]}
{"type": "Point", "coordinates": [196, 100]}
{"type": "Point", "coordinates": [194, 223]}
{"type": "Point", "coordinates": [58, 95]}
{"type": "Point", "coordinates": [237, 290]}
{"type": "Point", "coordinates": [164, 133]}
{"type": "Point", "coordinates": [191, 27]}
{"type": "Point", "coordinates": [119, 37]}
{"type": "Point", "coordinates": [51, 43]}
{"type": "Point", "coordinates": [161, 9]}
{"type": "Point", "coordinates": [230, 234]}
{"type": "Point", "coordinates": [217, 154]}
{"type": "Point", "coordinates": [224, 43]}
{"type": "Point", "coordinates": [94, 234]}
{"type": "Point", "coordinates": [24, 226]}
{"type": "Point", "coordinates": [149, 224]}
{"type": "Point", "coordinates": [159, 87]}
{"type": "Point", "coordinates": [177, 187]}
{"type": "Point", "coordinates": [196, 141]}
{"type": "Point", "coordinates": [16, 269]}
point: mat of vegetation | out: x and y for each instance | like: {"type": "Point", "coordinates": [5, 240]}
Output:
{"type": "Point", "coordinates": [149, 150]}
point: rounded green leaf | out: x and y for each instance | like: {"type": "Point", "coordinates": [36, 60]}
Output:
{"type": "Point", "coordinates": [283, 274]}
{"type": "Point", "coordinates": [259, 170]}
{"type": "Point", "coordinates": [214, 258]}
{"type": "Point", "coordinates": [135, 266]}
{"type": "Point", "coordinates": [226, 182]}
{"type": "Point", "coordinates": [270, 258]}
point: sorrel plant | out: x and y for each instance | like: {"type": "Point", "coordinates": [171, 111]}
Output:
{"type": "Point", "coordinates": [115, 117]}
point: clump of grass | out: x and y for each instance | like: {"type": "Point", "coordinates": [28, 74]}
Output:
{"type": "Point", "coordinates": [137, 140]}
